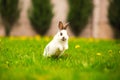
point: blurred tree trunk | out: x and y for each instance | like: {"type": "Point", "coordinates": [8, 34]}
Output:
{"type": "Point", "coordinates": [96, 13]}
{"type": "Point", "coordinates": [7, 29]}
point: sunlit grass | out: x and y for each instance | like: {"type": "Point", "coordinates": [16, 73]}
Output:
{"type": "Point", "coordinates": [86, 59]}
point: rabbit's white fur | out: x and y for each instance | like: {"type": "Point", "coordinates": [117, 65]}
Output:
{"type": "Point", "coordinates": [59, 43]}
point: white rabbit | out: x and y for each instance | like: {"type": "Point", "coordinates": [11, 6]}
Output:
{"type": "Point", "coordinates": [59, 43]}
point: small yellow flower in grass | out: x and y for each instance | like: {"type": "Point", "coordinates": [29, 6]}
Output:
{"type": "Point", "coordinates": [91, 39]}
{"type": "Point", "coordinates": [46, 38]}
{"type": "Point", "coordinates": [37, 37]}
{"type": "Point", "coordinates": [23, 37]}
{"type": "Point", "coordinates": [98, 54]}
{"type": "Point", "coordinates": [12, 38]}
{"type": "Point", "coordinates": [77, 46]}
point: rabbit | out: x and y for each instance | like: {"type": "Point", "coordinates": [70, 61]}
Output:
{"type": "Point", "coordinates": [59, 43]}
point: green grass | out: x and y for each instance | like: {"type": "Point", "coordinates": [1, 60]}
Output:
{"type": "Point", "coordinates": [21, 59]}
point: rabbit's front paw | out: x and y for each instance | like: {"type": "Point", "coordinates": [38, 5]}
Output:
{"type": "Point", "coordinates": [66, 47]}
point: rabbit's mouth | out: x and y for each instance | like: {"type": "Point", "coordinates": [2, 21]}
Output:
{"type": "Point", "coordinates": [63, 39]}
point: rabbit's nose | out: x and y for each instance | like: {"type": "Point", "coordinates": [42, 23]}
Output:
{"type": "Point", "coordinates": [63, 38]}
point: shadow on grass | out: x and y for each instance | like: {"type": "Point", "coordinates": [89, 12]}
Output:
{"type": "Point", "coordinates": [63, 57]}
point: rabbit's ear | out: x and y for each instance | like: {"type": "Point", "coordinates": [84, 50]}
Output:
{"type": "Point", "coordinates": [60, 25]}
{"type": "Point", "coordinates": [65, 27]}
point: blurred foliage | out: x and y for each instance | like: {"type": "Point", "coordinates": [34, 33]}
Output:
{"type": "Point", "coordinates": [41, 15]}
{"type": "Point", "coordinates": [114, 16]}
{"type": "Point", "coordinates": [9, 13]}
{"type": "Point", "coordinates": [80, 11]}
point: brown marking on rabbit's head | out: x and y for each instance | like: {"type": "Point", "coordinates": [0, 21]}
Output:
{"type": "Point", "coordinates": [61, 26]}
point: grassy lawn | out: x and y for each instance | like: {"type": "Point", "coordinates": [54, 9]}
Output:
{"type": "Point", "coordinates": [86, 59]}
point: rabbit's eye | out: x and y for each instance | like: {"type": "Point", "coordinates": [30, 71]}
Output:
{"type": "Point", "coordinates": [61, 34]}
